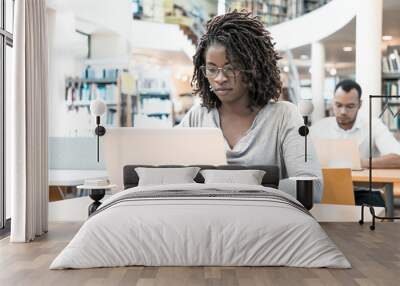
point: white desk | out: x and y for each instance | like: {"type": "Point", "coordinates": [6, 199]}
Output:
{"type": "Point", "coordinates": [73, 177]}
{"type": "Point", "coordinates": [60, 179]}
{"type": "Point", "coordinates": [77, 210]}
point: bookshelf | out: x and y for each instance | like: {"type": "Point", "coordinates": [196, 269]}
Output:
{"type": "Point", "coordinates": [270, 12]}
{"type": "Point", "coordinates": [391, 87]}
{"type": "Point", "coordinates": [80, 91]}
{"type": "Point", "coordinates": [273, 12]}
{"type": "Point", "coordinates": [391, 62]}
{"type": "Point", "coordinates": [310, 5]}
{"type": "Point", "coordinates": [391, 76]}
{"type": "Point", "coordinates": [156, 105]}
{"type": "Point", "coordinates": [126, 97]}
{"type": "Point", "coordinates": [391, 106]}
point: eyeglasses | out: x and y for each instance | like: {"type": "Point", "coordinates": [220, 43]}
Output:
{"type": "Point", "coordinates": [212, 72]}
{"type": "Point", "coordinates": [347, 107]}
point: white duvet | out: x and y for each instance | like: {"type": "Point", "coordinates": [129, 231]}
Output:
{"type": "Point", "coordinates": [200, 231]}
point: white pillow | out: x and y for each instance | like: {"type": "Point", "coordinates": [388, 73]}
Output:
{"type": "Point", "coordinates": [248, 177]}
{"type": "Point", "coordinates": [164, 176]}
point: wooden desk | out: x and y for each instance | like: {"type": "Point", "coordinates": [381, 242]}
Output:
{"type": "Point", "coordinates": [389, 178]}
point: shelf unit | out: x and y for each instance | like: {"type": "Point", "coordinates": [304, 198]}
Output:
{"type": "Point", "coordinates": [391, 76]}
{"type": "Point", "coordinates": [90, 81]}
{"type": "Point", "coordinates": [273, 12]}
{"type": "Point", "coordinates": [270, 12]}
{"type": "Point", "coordinates": [165, 105]}
{"type": "Point", "coordinates": [121, 108]}
{"type": "Point", "coordinates": [310, 5]}
{"type": "Point", "coordinates": [80, 91]}
{"type": "Point", "coordinates": [391, 87]}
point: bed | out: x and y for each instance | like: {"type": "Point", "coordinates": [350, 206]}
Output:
{"type": "Point", "coordinates": [201, 224]}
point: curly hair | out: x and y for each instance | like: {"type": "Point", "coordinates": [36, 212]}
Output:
{"type": "Point", "coordinates": [249, 48]}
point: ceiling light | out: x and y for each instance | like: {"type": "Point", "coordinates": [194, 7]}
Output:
{"type": "Point", "coordinates": [286, 69]}
{"type": "Point", "coordinates": [347, 49]}
{"type": "Point", "coordinates": [310, 70]}
{"type": "Point", "coordinates": [304, 57]}
{"type": "Point", "coordinates": [332, 71]}
{"type": "Point", "coordinates": [387, 38]}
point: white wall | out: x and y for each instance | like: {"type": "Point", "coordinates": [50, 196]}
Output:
{"type": "Point", "coordinates": [109, 46]}
{"type": "Point", "coordinates": [114, 15]}
{"type": "Point", "coordinates": [67, 53]}
{"type": "Point", "coordinates": [369, 54]}
{"type": "Point", "coordinates": [150, 35]}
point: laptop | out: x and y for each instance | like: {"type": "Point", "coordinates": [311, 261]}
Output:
{"type": "Point", "coordinates": [160, 146]}
{"type": "Point", "coordinates": [338, 153]}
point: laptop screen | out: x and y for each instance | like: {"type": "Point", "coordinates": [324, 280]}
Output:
{"type": "Point", "coordinates": [166, 146]}
{"type": "Point", "coordinates": [338, 153]}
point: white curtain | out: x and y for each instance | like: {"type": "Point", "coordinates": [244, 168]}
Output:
{"type": "Point", "coordinates": [28, 123]}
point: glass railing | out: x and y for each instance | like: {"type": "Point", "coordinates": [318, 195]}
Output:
{"type": "Point", "coordinates": [273, 12]}
{"type": "Point", "coordinates": [190, 15]}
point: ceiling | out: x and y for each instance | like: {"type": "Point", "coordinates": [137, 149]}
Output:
{"type": "Point", "coordinates": [343, 61]}
{"type": "Point", "coordinates": [163, 56]}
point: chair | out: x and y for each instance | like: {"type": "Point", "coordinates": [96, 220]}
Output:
{"type": "Point", "coordinates": [338, 187]}
{"type": "Point", "coordinates": [396, 190]}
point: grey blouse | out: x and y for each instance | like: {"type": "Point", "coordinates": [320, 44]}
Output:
{"type": "Point", "coordinates": [272, 139]}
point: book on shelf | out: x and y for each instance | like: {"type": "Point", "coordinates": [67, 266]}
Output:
{"type": "Point", "coordinates": [385, 65]}
{"type": "Point", "coordinates": [391, 62]}
{"type": "Point", "coordinates": [396, 58]}
{"type": "Point", "coordinates": [391, 120]}
{"type": "Point", "coordinates": [391, 104]}
{"type": "Point", "coordinates": [391, 89]}
{"type": "Point", "coordinates": [395, 66]}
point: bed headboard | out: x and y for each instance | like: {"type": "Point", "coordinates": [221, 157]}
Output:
{"type": "Point", "coordinates": [270, 179]}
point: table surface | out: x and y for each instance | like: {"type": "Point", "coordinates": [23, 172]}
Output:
{"type": "Point", "coordinates": [58, 177]}
{"type": "Point", "coordinates": [378, 175]}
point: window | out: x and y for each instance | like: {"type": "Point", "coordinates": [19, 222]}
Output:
{"type": "Point", "coordinates": [6, 43]}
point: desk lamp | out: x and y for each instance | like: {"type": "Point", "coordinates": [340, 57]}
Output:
{"type": "Point", "coordinates": [305, 109]}
{"type": "Point", "coordinates": [304, 185]}
{"type": "Point", "coordinates": [97, 108]}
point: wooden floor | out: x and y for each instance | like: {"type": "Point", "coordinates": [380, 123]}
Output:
{"type": "Point", "coordinates": [374, 255]}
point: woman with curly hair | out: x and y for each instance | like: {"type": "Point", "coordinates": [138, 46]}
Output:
{"type": "Point", "coordinates": [237, 77]}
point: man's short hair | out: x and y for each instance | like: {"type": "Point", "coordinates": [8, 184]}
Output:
{"type": "Point", "coordinates": [348, 85]}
